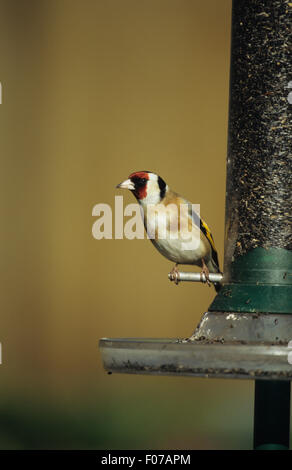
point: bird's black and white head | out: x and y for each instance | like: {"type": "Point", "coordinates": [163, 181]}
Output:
{"type": "Point", "coordinates": [147, 187]}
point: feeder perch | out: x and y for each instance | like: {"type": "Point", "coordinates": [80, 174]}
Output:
{"type": "Point", "coordinates": [178, 276]}
{"type": "Point", "coordinates": [248, 326]}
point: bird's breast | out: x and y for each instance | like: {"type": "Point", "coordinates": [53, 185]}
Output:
{"type": "Point", "coordinates": [175, 236]}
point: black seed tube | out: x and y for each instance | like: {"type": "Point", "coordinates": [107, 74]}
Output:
{"type": "Point", "coordinates": [259, 164]}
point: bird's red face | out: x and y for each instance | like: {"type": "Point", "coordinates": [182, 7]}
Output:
{"type": "Point", "coordinates": [137, 183]}
{"type": "Point", "coordinates": [140, 180]}
{"type": "Point", "coordinates": [149, 188]}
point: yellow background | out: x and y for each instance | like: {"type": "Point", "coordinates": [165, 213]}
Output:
{"type": "Point", "coordinates": [92, 91]}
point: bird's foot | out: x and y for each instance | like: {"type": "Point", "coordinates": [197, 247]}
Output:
{"type": "Point", "coordinates": [205, 273]}
{"type": "Point", "coordinates": [174, 275]}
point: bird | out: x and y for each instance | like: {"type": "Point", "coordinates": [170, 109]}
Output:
{"type": "Point", "coordinates": [173, 225]}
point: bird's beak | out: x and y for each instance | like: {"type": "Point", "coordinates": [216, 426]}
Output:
{"type": "Point", "coordinates": [127, 184]}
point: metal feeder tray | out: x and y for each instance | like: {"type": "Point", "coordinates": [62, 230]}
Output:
{"type": "Point", "coordinates": [224, 345]}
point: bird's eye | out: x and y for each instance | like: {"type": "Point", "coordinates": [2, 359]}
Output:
{"type": "Point", "coordinates": [139, 182]}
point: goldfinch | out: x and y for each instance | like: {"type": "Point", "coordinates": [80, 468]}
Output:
{"type": "Point", "coordinates": [172, 224]}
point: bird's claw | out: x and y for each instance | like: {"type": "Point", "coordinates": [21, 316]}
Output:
{"type": "Point", "coordinates": [205, 278]}
{"type": "Point", "coordinates": [174, 275]}
{"type": "Point", "coordinates": [205, 274]}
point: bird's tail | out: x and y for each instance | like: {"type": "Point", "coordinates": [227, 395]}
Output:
{"type": "Point", "coordinates": [214, 268]}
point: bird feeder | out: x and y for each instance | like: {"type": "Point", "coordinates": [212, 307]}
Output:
{"type": "Point", "coordinates": [247, 329]}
